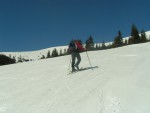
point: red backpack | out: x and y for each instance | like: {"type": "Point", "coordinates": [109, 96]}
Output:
{"type": "Point", "coordinates": [79, 46]}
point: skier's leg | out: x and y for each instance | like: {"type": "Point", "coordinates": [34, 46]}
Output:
{"type": "Point", "coordinates": [78, 60]}
{"type": "Point", "coordinates": [73, 60]}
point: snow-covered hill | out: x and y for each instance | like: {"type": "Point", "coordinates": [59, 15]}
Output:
{"type": "Point", "coordinates": [147, 35]}
{"type": "Point", "coordinates": [120, 84]}
{"type": "Point", "coordinates": [36, 55]}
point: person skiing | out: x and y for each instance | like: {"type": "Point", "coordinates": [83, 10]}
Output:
{"type": "Point", "coordinates": [75, 47]}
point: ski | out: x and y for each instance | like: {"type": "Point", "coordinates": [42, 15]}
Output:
{"type": "Point", "coordinates": [72, 72]}
{"type": "Point", "coordinates": [82, 69]}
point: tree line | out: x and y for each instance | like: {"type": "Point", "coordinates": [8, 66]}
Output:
{"type": "Point", "coordinates": [135, 38]}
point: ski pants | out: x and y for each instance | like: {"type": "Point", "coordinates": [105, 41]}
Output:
{"type": "Point", "coordinates": [75, 55]}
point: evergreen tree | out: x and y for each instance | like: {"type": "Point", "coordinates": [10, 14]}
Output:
{"type": "Point", "coordinates": [4, 60]}
{"type": "Point", "coordinates": [43, 57]}
{"type": "Point", "coordinates": [48, 54]}
{"type": "Point", "coordinates": [143, 36]}
{"type": "Point", "coordinates": [14, 58]}
{"type": "Point", "coordinates": [89, 43]}
{"type": "Point", "coordinates": [135, 35]}
{"type": "Point", "coordinates": [65, 51]}
{"type": "Point", "coordinates": [126, 42]}
{"type": "Point", "coordinates": [118, 40]}
{"type": "Point", "coordinates": [20, 59]}
{"type": "Point", "coordinates": [55, 53]}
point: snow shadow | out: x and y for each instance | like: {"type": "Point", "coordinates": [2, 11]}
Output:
{"type": "Point", "coordinates": [88, 68]}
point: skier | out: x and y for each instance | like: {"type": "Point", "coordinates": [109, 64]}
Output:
{"type": "Point", "coordinates": [75, 47]}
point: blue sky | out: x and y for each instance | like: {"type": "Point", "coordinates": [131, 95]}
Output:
{"type": "Point", "coordinates": [27, 25]}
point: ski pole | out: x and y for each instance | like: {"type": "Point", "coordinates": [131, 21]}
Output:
{"type": "Point", "coordinates": [89, 60]}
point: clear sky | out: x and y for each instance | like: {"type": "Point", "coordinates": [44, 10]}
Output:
{"type": "Point", "coordinates": [38, 24]}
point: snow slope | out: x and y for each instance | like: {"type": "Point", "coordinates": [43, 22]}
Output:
{"type": "Point", "coordinates": [120, 84]}
{"type": "Point", "coordinates": [33, 55]}
{"type": "Point", "coordinates": [36, 55]}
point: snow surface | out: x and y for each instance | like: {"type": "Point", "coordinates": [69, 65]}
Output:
{"type": "Point", "coordinates": [120, 84]}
